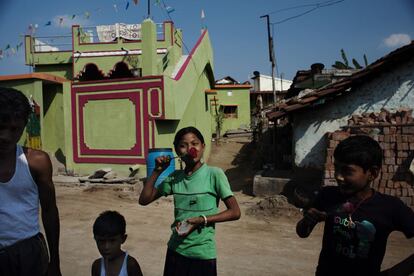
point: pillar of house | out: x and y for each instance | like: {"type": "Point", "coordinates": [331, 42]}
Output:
{"type": "Point", "coordinates": [149, 48]}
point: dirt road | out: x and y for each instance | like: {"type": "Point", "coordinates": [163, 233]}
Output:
{"type": "Point", "coordinates": [250, 246]}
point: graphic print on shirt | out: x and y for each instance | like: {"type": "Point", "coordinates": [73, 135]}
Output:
{"type": "Point", "coordinates": [352, 239]}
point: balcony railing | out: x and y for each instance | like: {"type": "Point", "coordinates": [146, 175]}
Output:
{"type": "Point", "coordinates": [52, 43]}
{"type": "Point", "coordinates": [93, 34]}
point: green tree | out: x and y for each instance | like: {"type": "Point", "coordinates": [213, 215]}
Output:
{"type": "Point", "coordinates": [344, 64]}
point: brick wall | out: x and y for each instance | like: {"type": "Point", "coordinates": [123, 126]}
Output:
{"type": "Point", "coordinates": [395, 133]}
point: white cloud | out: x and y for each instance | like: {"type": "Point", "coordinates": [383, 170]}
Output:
{"type": "Point", "coordinates": [66, 21]}
{"type": "Point", "coordinates": [396, 40]}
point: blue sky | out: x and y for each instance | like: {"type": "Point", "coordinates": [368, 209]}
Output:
{"type": "Point", "coordinates": [238, 34]}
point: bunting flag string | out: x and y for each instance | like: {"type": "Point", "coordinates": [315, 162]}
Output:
{"type": "Point", "coordinates": [32, 28]}
{"type": "Point", "coordinates": [169, 9]}
{"type": "Point", "coordinates": [19, 45]}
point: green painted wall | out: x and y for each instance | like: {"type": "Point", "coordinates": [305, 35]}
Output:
{"type": "Point", "coordinates": [149, 49]}
{"type": "Point", "coordinates": [195, 114]}
{"type": "Point", "coordinates": [33, 58]}
{"type": "Point", "coordinates": [179, 92]}
{"type": "Point", "coordinates": [110, 124]}
{"type": "Point", "coordinates": [53, 131]}
{"type": "Point", "coordinates": [238, 97]}
{"type": "Point", "coordinates": [50, 99]}
{"type": "Point", "coordinates": [61, 70]}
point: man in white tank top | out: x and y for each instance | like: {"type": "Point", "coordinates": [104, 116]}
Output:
{"type": "Point", "coordinates": [25, 181]}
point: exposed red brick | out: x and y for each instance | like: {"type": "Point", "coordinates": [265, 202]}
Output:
{"type": "Point", "coordinates": [404, 191]}
{"type": "Point", "coordinates": [389, 161]}
{"type": "Point", "coordinates": [340, 135]}
{"type": "Point", "coordinates": [408, 130]}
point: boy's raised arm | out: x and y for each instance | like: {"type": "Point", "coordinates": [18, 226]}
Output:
{"type": "Point", "coordinates": [149, 193]}
{"type": "Point", "coordinates": [310, 218]}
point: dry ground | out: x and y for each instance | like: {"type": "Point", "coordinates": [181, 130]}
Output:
{"type": "Point", "coordinates": [250, 246]}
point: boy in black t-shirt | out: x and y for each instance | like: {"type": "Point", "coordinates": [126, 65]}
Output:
{"type": "Point", "coordinates": [358, 220]}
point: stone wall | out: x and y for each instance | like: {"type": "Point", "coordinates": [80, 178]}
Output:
{"type": "Point", "coordinates": [393, 90]}
{"type": "Point", "coordinates": [395, 134]}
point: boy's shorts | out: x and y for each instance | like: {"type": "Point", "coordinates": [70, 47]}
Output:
{"type": "Point", "coordinates": [27, 257]}
{"type": "Point", "coordinates": [176, 264]}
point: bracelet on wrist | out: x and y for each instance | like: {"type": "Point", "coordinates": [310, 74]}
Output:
{"type": "Point", "coordinates": [205, 220]}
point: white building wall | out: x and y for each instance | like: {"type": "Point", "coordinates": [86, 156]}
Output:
{"type": "Point", "coordinates": [391, 90]}
{"type": "Point", "coordinates": [264, 83]}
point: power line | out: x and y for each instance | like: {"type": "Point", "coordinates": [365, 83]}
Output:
{"type": "Point", "coordinates": [315, 7]}
{"type": "Point", "coordinates": [301, 6]}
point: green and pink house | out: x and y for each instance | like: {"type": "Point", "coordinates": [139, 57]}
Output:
{"type": "Point", "coordinates": [105, 102]}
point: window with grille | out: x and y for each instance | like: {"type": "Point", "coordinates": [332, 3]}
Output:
{"type": "Point", "coordinates": [229, 111]}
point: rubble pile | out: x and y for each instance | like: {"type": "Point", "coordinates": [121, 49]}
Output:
{"type": "Point", "coordinates": [274, 206]}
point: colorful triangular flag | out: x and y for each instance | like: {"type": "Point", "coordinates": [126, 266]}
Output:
{"type": "Point", "coordinates": [116, 8]}
{"type": "Point", "coordinates": [169, 9]}
{"type": "Point", "coordinates": [202, 14]}
{"type": "Point", "coordinates": [127, 5]}
{"type": "Point", "coordinates": [73, 16]}
{"type": "Point", "coordinates": [7, 47]}
{"type": "Point", "coordinates": [136, 2]}
{"type": "Point", "coordinates": [48, 23]}
{"type": "Point", "coordinates": [19, 45]}
{"type": "Point", "coordinates": [60, 21]}
{"type": "Point", "coordinates": [87, 15]}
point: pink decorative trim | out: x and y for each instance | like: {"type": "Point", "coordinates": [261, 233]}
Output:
{"type": "Point", "coordinates": [143, 134]}
{"type": "Point", "coordinates": [154, 100]}
{"type": "Point", "coordinates": [184, 66]}
{"type": "Point", "coordinates": [98, 88]}
{"type": "Point", "coordinates": [136, 150]}
{"type": "Point", "coordinates": [172, 33]}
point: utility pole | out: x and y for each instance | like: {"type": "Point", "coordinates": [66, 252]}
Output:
{"type": "Point", "coordinates": [281, 81]}
{"type": "Point", "coordinates": [272, 60]}
{"type": "Point", "coordinates": [271, 55]}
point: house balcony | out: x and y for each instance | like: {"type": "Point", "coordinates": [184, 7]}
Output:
{"type": "Point", "coordinates": [105, 46]}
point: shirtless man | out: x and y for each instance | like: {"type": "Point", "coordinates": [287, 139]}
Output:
{"type": "Point", "coordinates": [25, 180]}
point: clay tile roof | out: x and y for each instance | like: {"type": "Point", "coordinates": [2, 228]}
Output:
{"type": "Point", "coordinates": [320, 96]}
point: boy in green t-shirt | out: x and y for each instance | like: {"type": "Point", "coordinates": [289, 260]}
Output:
{"type": "Point", "coordinates": [197, 191]}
